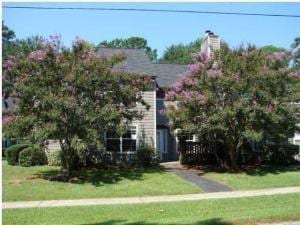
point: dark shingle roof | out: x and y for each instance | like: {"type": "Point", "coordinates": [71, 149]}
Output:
{"type": "Point", "coordinates": [137, 61]}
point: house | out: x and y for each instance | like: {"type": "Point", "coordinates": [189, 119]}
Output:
{"type": "Point", "coordinates": [154, 128]}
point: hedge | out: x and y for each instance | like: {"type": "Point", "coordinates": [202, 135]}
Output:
{"type": "Point", "coordinates": [146, 156]}
{"type": "Point", "coordinates": [12, 153]}
{"type": "Point", "coordinates": [32, 156]}
{"type": "Point", "coordinates": [280, 153]}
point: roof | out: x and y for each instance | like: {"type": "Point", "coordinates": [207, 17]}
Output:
{"type": "Point", "coordinates": [137, 61]}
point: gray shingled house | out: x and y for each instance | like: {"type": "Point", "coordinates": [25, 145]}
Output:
{"type": "Point", "coordinates": [153, 129]}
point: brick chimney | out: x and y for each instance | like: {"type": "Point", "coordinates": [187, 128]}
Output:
{"type": "Point", "coordinates": [210, 43]}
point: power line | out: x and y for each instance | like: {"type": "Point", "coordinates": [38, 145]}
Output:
{"type": "Point", "coordinates": [150, 10]}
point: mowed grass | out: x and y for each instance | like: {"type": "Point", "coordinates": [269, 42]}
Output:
{"type": "Point", "coordinates": [29, 183]}
{"type": "Point", "coordinates": [244, 211]}
{"type": "Point", "coordinates": [260, 177]}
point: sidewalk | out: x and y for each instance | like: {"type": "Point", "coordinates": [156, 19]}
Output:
{"type": "Point", "coordinates": [148, 199]}
{"type": "Point", "coordinates": [207, 185]}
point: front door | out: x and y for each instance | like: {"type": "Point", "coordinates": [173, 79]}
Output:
{"type": "Point", "coordinates": [161, 142]}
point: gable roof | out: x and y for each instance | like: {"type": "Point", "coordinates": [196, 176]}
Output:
{"type": "Point", "coordinates": [137, 61]}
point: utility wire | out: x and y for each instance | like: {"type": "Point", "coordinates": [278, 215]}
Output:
{"type": "Point", "coordinates": [151, 10]}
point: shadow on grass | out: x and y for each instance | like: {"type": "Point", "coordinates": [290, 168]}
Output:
{"type": "Point", "coordinates": [271, 169]}
{"type": "Point", "coordinates": [99, 177]}
{"type": "Point", "coordinates": [257, 170]}
{"type": "Point", "coordinates": [212, 221]}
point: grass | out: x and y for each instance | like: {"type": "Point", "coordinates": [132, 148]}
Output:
{"type": "Point", "coordinates": [260, 177]}
{"type": "Point", "coordinates": [244, 211]}
{"type": "Point", "coordinates": [32, 183]}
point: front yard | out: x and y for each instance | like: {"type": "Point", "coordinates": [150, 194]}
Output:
{"type": "Point", "coordinates": [242, 211]}
{"type": "Point", "coordinates": [260, 177]}
{"type": "Point", "coordinates": [32, 183]}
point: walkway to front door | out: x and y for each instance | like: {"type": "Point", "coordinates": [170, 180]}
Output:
{"type": "Point", "coordinates": [192, 176]}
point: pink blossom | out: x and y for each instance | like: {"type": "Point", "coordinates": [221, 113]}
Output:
{"type": "Point", "coordinates": [214, 72]}
{"type": "Point", "coordinates": [163, 111]}
{"type": "Point", "coordinates": [203, 57]}
{"type": "Point", "coordinates": [193, 68]}
{"type": "Point", "coordinates": [170, 94]}
{"type": "Point", "coordinates": [37, 55]}
{"type": "Point", "coordinates": [200, 98]}
{"type": "Point", "coordinates": [186, 95]}
{"type": "Point", "coordinates": [295, 73]}
{"type": "Point", "coordinates": [8, 118]}
{"type": "Point", "coordinates": [55, 36]}
{"type": "Point", "coordinates": [187, 80]}
{"type": "Point", "coordinates": [278, 55]}
{"type": "Point", "coordinates": [269, 107]}
{"type": "Point", "coordinates": [8, 64]}
{"type": "Point", "coordinates": [78, 41]}
{"type": "Point", "coordinates": [176, 86]}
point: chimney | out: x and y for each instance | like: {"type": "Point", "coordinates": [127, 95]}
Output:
{"type": "Point", "coordinates": [210, 42]}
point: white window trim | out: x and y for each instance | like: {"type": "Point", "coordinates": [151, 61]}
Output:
{"type": "Point", "coordinates": [121, 138]}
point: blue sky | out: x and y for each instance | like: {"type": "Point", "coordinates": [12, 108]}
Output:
{"type": "Point", "coordinates": [160, 29]}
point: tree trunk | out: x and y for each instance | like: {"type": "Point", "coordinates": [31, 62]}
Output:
{"type": "Point", "coordinates": [67, 158]}
{"type": "Point", "coordinates": [233, 154]}
{"type": "Point", "coordinates": [233, 158]}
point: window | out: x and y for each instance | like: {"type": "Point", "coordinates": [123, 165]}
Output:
{"type": "Point", "coordinates": [189, 138]}
{"type": "Point", "coordinates": [124, 143]}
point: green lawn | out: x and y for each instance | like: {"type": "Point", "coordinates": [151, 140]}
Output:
{"type": "Point", "coordinates": [29, 183]}
{"type": "Point", "coordinates": [206, 212]}
{"type": "Point", "coordinates": [261, 177]}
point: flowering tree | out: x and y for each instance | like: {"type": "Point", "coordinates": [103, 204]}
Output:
{"type": "Point", "coordinates": [71, 95]}
{"type": "Point", "coordinates": [235, 96]}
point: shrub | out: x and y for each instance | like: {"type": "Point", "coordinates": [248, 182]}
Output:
{"type": "Point", "coordinates": [145, 156]}
{"type": "Point", "coordinates": [280, 153]}
{"type": "Point", "coordinates": [32, 156]}
{"type": "Point", "coordinates": [12, 153]}
{"type": "Point", "coordinates": [54, 158]}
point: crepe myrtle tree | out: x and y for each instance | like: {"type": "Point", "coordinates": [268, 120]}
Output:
{"type": "Point", "coordinates": [235, 96]}
{"type": "Point", "coordinates": [72, 95]}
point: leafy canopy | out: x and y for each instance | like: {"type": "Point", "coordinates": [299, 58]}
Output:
{"type": "Point", "coordinates": [72, 95]}
{"type": "Point", "coordinates": [180, 53]}
{"type": "Point", "coordinates": [132, 42]}
{"type": "Point", "coordinates": [236, 96]}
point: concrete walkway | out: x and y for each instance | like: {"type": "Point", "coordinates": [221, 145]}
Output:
{"type": "Point", "coordinates": [282, 223]}
{"type": "Point", "coordinates": [148, 199]}
{"type": "Point", "coordinates": [207, 185]}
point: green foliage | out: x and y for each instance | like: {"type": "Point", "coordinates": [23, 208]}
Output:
{"type": "Point", "coordinates": [181, 53]}
{"type": "Point", "coordinates": [73, 96]}
{"type": "Point", "coordinates": [12, 153]}
{"type": "Point", "coordinates": [280, 153]}
{"type": "Point", "coordinates": [7, 34]}
{"type": "Point", "coordinates": [54, 158]}
{"type": "Point", "coordinates": [32, 156]}
{"type": "Point", "coordinates": [132, 42]}
{"type": "Point", "coordinates": [145, 156]}
{"type": "Point", "coordinates": [235, 96]}
{"type": "Point", "coordinates": [268, 49]}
